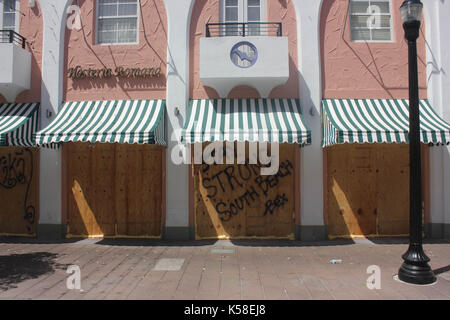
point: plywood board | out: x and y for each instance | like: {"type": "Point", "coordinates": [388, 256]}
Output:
{"type": "Point", "coordinates": [19, 190]}
{"type": "Point", "coordinates": [349, 169]}
{"type": "Point", "coordinates": [368, 189]}
{"type": "Point", "coordinates": [236, 201]}
{"type": "Point", "coordinates": [115, 190]}
{"type": "Point", "coordinates": [393, 189]}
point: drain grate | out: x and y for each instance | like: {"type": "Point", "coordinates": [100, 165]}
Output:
{"type": "Point", "coordinates": [167, 264]}
{"type": "Point", "coordinates": [220, 251]}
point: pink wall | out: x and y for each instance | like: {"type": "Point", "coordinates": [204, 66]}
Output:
{"type": "Point", "coordinates": [209, 11]}
{"type": "Point", "coordinates": [365, 70]}
{"type": "Point", "coordinates": [151, 51]}
{"type": "Point", "coordinates": [31, 26]}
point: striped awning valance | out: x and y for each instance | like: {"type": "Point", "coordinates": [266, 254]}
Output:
{"type": "Point", "coordinates": [18, 123]}
{"type": "Point", "coordinates": [121, 121]}
{"type": "Point", "coordinates": [378, 120]}
{"type": "Point", "coordinates": [253, 120]}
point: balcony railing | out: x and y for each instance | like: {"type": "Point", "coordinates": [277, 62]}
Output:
{"type": "Point", "coordinates": [10, 36]}
{"type": "Point", "coordinates": [244, 29]}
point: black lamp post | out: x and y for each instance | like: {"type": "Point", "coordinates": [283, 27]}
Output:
{"type": "Point", "coordinates": [415, 268]}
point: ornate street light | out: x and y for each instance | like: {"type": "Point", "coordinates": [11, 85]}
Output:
{"type": "Point", "coordinates": [415, 268]}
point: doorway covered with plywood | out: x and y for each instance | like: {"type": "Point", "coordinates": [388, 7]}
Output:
{"type": "Point", "coordinates": [114, 190]}
{"type": "Point", "coordinates": [367, 189]}
{"type": "Point", "coordinates": [19, 190]}
{"type": "Point", "coordinates": [236, 201]}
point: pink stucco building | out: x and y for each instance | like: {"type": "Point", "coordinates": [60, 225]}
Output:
{"type": "Point", "coordinates": [117, 92]}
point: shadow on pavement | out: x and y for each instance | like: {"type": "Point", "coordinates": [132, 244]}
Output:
{"type": "Point", "coordinates": [441, 270]}
{"type": "Point", "coordinates": [15, 268]}
{"type": "Point", "coordinates": [259, 242]}
{"type": "Point", "coordinates": [29, 240]}
{"type": "Point", "coordinates": [230, 242]}
{"type": "Point", "coordinates": [219, 243]}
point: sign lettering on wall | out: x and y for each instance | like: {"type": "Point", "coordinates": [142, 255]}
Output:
{"type": "Point", "coordinates": [120, 72]}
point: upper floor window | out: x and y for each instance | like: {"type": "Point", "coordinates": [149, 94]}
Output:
{"type": "Point", "coordinates": [234, 11]}
{"type": "Point", "coordinates": [9, 18]}
{"type": "Point", "coordinates": [370, 20]}
{"type": "Point", "coordinates": [117, 21]}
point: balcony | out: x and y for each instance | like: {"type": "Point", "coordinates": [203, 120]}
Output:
{"type": "Point", "coordinates": [15, 65]}
{"type": "Point", "coordinates": [253, 54]}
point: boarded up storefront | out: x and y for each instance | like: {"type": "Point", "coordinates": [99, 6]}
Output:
{"type": "Point", "coordinates": [114, 190]}
{"type": "Point", "coordinates": [367, 164]}
{"type": "Point", "coordinates": [114, 165]}
{"type": "Point", "coordinates": [19, 169]}
{"type": "Point", "coordinates": [19, 190]}
{"type": "Point", "coordinates": [236, 201]}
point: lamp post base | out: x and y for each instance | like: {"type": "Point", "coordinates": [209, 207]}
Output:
{"type": "Point", "coordinates": [415, 269]}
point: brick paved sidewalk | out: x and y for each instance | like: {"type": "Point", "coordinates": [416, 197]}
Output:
{"type": "Point", "coordinates": [132, 269]}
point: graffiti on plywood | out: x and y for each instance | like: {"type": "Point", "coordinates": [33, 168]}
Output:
{"type": "Point", "coordinates": [248, 186]}
{"type": "Point", "coordinates": [16, 169]}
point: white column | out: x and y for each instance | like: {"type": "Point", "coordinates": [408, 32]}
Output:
{"type": "Point", "coordinates": [438, 61]}
{"type": "Point", "coordinates": [177, 179]}
{"type": "Point", "coordinates": [311, 173]}
{"type": "Point", "coordinates": [53, 12]}
{"type": "Point", "coordinates": [444, 26]}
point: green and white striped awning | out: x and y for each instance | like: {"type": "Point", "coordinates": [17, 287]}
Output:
{"type": "Point", "coordinates": [121, 121]}
{"type": "Point", "coordinates": [253, 120]}
{"type": "Point", "coordinates": [18, 123]}
{"type": "Point", "coordinates": [378, 120]}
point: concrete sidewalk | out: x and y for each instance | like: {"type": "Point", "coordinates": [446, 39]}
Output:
{"type": "Point", "coordinates": [145, 269]}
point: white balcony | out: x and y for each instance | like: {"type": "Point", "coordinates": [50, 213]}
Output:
{"type": "Point", "coordinates": [15, 65]}
{"type": "Point", "coordinates": [258, 61]}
